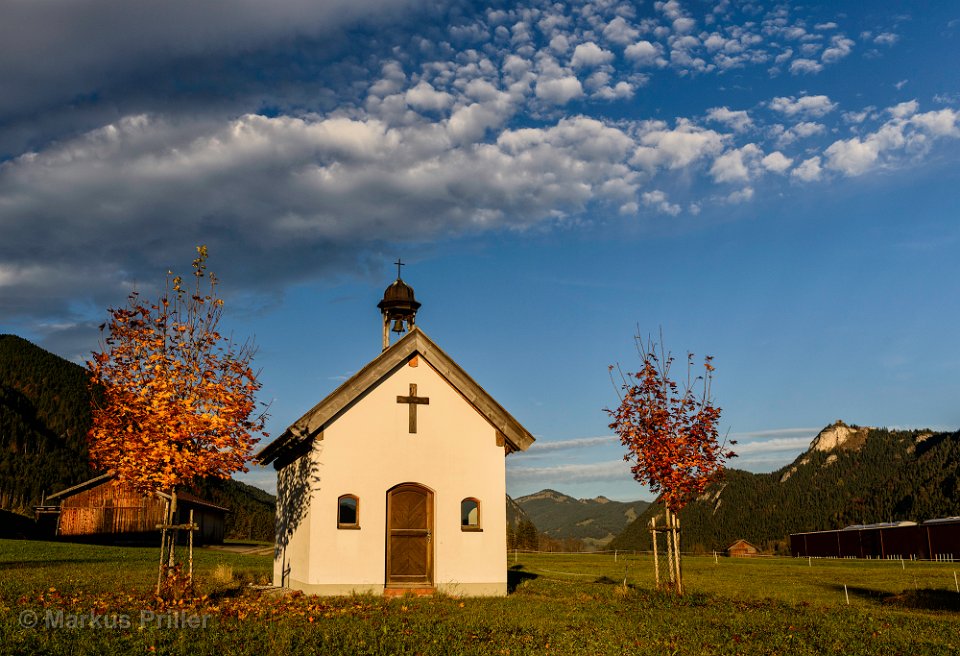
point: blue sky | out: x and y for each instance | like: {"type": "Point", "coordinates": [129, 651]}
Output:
{"type": "Point", "coordinates": [771, 184]}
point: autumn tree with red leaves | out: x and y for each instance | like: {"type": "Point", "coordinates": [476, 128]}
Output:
{"type": "Point", "coordinates": [670, 431]}
{"type": "Point", "coordinates": [177, 399]}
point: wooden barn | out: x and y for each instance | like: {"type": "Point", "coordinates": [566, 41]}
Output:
{"type": "Point", "coordinates": [100, 509]}
{"type": "Point", "coordinates": [934, 539]}
{"type": "Point", "coordinates": [742, 549]}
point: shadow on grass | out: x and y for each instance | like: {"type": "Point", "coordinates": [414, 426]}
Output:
{"type": "Point", "coordinates": [868, 594]}
{"type": "Point", "coordinates": [516, 576]}
{"type": "Point", "coordinates": [922, 599]}
{"type": "Point", "coordinates": [925, 599]}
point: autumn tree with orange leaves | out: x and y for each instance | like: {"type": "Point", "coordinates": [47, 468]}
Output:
{"type": "Point", "coordinates": [177, 399]}
{"type": "Point", "coordinates": [670, 431]}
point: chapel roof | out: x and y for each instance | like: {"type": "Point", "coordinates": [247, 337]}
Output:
{"type": "Point", "coordinates": [398, 293]}
{"type": "Point", "coordinates": [294, 441]}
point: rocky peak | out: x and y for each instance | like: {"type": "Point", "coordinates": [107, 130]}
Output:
{"type": "Point", "coordinates": [839, 436]}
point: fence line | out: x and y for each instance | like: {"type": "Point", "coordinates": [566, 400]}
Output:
{"type": "Point", "coordinates": [939, 558]}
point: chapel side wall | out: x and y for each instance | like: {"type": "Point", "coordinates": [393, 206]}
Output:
{"type": "Point", "coordinates": [291, 560]}
{"type": "Point", "coordinates": [369, 449]}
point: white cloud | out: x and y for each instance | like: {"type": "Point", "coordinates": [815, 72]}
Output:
{"type": "Point", "coordinates": [808, 170]}
{"type": "Point", "coordinates": [815, 106]}
{"type": "Point", "coordinates": [671, 9]}
{"type": "Point", "coordinates": [805, 66]}
{"type": "Point", "coordinates": [469, 124]}
{"type": "Point", "coordinates": [904, 109]}
{"type": "Point", "coordinates": [658, 200]}
{"type": "Point", "coordinates": [645, 53]}
{"type": "Point", "coordinates": [559, 91]}
{"type": "Point", "coordinates": [857, 117]}
{"type": "Point", "coordinates": [684, 24]}
{"type": "Point", "coordinates": [620, 32]}
{"type": "Point", "coordinates": [298, 186]}
{"type": "Point", "coordinates": [590, 54]}
{"type": "Point", "coordinates": [886, 39]}
{"type": "Point", "coordinates": [776, 162]}
{"type": "Point", "coordinates": [676, 148]}
{"type": "Point", "coordinates": [544, 446]}
{"type": "Point", "coordinates": [557, 475]}
{"type": "Point", "coordinates": [619, 91]}
{"type": "Point", "coordinates": [735, 165]}
{"type": "Point", "coordinates": [424, 97]}
{"type": "Point", "coordinates": [907, 132]}
{"type": "Point", "coordinates": [852, 156]}
{"type": "Point", "coordinates": [739, 120]}
{"type": "Point", "coordinates": [840, 47]}
{"type": "Point", "coordinates": [774, 445]}
{"type": "Point", "coordinates": [560, 43]}
{"type": "Point", "coordinates": [741, 196]}
{"type": "Point", "coordinates": [801, 130]}
{"type": "Point", "coordinates": [942, 123]}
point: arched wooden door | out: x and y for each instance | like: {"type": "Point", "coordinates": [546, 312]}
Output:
{"type": "Point", "coordinates": [409, 536]}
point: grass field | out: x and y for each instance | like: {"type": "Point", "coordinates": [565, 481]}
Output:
{"type": "Point", "coordinates": [560, 604]}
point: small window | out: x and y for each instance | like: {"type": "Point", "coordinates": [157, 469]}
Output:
{"type": "Point", "coordinates": [348, 512]}
{"type": "Point", "coordinates": [470, 515]}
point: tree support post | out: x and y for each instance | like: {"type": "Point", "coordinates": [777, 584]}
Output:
{"type": "Point", "coordinates": [656, 564]}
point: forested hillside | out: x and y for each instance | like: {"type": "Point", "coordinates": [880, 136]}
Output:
{"type": "Point", "coordinates": [44, 418]}
{"type": "Point", "coordinates": [869, 475]}
{"type": "Point", "coordinates": [593, 521]}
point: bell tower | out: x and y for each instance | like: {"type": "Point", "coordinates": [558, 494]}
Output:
{"type": "Point", "coordinates": [398, 308]}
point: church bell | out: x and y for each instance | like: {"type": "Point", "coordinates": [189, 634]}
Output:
{"type": "Point", "coordinates": [398, 308]}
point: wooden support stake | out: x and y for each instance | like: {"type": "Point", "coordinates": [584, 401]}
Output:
{"type": "Point", "coordinates": [163, 544]}
{"type": "Point", "coordinates": [173, 516]}
{"type": "Point", "coordinates": [676, 551]}
{"type": "Point", "coordinates": [191, 548]}
{"type": "Point", "coordinates": [656, 564]}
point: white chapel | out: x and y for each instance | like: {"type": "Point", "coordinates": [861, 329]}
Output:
{"type": "Point", "coordinates": [396, 481]}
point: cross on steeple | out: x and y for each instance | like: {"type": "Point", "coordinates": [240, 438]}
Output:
{"type": "Point", "coordinates": [414, 401]}
{"type": "Point", "coordinates": [399, 264]}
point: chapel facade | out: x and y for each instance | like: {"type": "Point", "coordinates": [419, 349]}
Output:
{"type": "Point", "coordinates": [396, 481]}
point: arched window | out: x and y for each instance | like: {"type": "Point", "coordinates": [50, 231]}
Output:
{"type": "Point", "coordinates": [470, 515]}
{"type": "Point", "coordinates": [348, 511]}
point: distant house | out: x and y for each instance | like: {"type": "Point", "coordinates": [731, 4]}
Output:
{"type": "Point", "coordinates": [100, 509]}
{"type": "Point", "coordinates": [742, 549]}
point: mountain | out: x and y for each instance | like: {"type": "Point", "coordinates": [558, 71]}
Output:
{"type": "Point", "coordinates": [515, 514]}
{"type": "Point", "coordinates": [593, 521]}
{"type": "Point", "coordinates": [44, 419]}
{"type": "Point", "coordinates": [849, 475]}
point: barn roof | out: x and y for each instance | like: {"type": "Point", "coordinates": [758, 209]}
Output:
{"type": "Point", "coordinates": [300, 434]}
{"type": "Point", "coordinates": [80, 487]}
{"type": "Point", "coordinates": [743, 543]}
{"type": "Point", "coordinates": [182, 497]}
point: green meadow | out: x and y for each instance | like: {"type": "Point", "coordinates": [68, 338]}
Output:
{"type": "Point", "coordinates": [58, 598]}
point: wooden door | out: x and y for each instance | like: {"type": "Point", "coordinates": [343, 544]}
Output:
{"type": "Point", "coordinates": [409, 536]}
